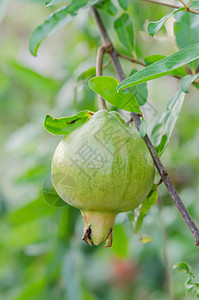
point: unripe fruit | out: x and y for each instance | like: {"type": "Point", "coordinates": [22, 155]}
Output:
{"type": "Point", "coordinates": [111, 169]}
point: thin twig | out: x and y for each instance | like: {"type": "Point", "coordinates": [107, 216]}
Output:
{"type": "Point", "coordinates": [99, 67]}
{"type": "Point", "coordinates": [133, 60]}
{"type": "Point", "coordinates": [193, 11]}
{"type": "Point", "coordinates": [136, 118]}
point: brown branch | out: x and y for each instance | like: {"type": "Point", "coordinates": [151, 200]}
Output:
{"type": "Point", "coordinates": [136, 118]}
{"type": "Point", "coordinates": [99, 67]}
{"type": "Point", "coordinates": [193, 11]}
{"type": "Point", "coordinates": [133, 60]}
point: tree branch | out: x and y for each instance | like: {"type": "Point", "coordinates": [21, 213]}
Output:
{"type": "Point", "coordinates": [161, 169]}
{"type": "Point", "coordinates": [99, 66]}
{"type": "Point", "coordinates": [193, 11]}
{"type": "Point", "coordinates": [133, 60]}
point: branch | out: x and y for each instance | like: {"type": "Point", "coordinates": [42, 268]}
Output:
{"type": "Point", "coordinates": [161, 169]}
{"type": "Point", "coordinates": [193, 11]}
{"type": "Point", "coordinates": [99, 66]}
{"type": "Point", "coordinates": [133, 60]}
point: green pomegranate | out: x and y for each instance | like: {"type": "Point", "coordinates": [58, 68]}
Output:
{"type": "Point", "coordinates": [103, 168]}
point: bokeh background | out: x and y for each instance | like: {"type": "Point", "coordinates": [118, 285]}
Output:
{"type": "Point", "coordinates": [42, 255]}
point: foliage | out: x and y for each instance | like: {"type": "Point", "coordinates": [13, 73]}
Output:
{"type": "Point", "coordinates": [42, 255]}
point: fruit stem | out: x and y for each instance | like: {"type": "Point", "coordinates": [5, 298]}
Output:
{"type": "Point", "coordinates": [98, 227]}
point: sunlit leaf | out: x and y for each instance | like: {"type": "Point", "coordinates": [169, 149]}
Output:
{"type": "Point", "coordinates": [106, 87]}
{"type": "Point", "coordinates": [145, 239]}
{"type": "Point", "coordinates": [162, 67]}
{"type": "Point", "coordinates": [56, 21]}
{"type": "Point", "coordinates": [154, 27]}
{"type": "Point", "coordinates": [163, 129]}
{"type": "Point", "coordinates": [63, 126]}
{"type": "Point", "coordinates": [124, 29]}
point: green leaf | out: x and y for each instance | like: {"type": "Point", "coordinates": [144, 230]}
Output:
{"type": "Point", "coordinates": [186, 31]}
{"type": "Point", "coordinates": [140, 92]}
{"type": "Point", "coordinates": [145, 239]}
{"type": "Point", "coordinates": [56, 21]}
{"type": "Point", "coordinates": [106, 86]}
{"type": "Point", "coordinates": [191, 286]}
{"type": "Point", "coordinates": [136, 216]}
{"type": "Point", "coordinates": [123, 4]}
{"type": "Point", "coordinates": [87, 74]}
{"type": "Point", "coordinates": [153, 58]}
{"type": "Point", "coordinates": [162, 67]}
{"type": "Point", "coordinates": [186, 82]}
{"type": "Point", "coordinates": [120, 241]}
{"type": "Point", "coordinates": [124, 29]}
{"type": "Point", "coordinates": [53, 2]}
{"type": "Point", "coordinates": [143, 127]}
{"type": "Point", "coordinates": [64, 126]}
{"type": "Point", "coordinates": [108, 7]}
{"type": "Point", "coordinates": [183, 267]}
{"type": "Point", "coordinates": [163, 129]}
{"type": "Point", "coordinates": [154, 27]}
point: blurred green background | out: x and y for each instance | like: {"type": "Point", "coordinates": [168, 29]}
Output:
{"type": "Point", "coordinates": [42, 255]}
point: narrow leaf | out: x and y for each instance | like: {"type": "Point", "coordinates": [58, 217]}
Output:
{"type": "Point", "coordinates": [136, 217]}
{"type": "Point", "coordinates": [53, 2]}
{"type": "Point", "coordinates": [186, 82]}
{"type": "Point", "coordinates": [123, 4]}
{"type": "Point", "coordinates": [143, 128]}
{"type": "Point", "coordinates": [106, 87]}
{"type": "Point", "coordinates": [162, 67]}
{"type": "Point", "coordinates": [56, 21]}
{"type": "Point", "coordinates": [153, 58]}
{"type": "Point", "coordinates": [154, 27]}
{"type": "Point", "coordinates": [124, 29]}
{"type": "Point", "coordinates": [64, 126]}
{"type": "Point", "coordinates": [163, 129]}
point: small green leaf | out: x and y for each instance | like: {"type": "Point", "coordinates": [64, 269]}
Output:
{"type": "Point", "coordinates": [124, 29]}
{"type": "Point", "coordinates": [106, 86]}
{"type": "Point", "coordinates": [163, 129]}
{"type": "Point", "coordinates": [64, 126]}
{"type": "Point", "coordinates": [183, 267]}
{"type": "Point", "coordinates": [56, 21]}
{"type": "Point", "coordinates": [143, 127]}
{"type": "Point", "coordinates": [154, 27]}
{"type": "Point", "coordinates": [162, 67]}
{"type": "Point", "coordinates": [87, 74]}
{"type": "Point", "coordinates": [123, 4]}
{"type": "Point", "coordinates": [145, 239]}
{"type": "Point", "coordinates": [108, 7]}
{"type": "Point", "coordinates": [136, 216]}
{"type": "Point", "coordinates": [186, 82]}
